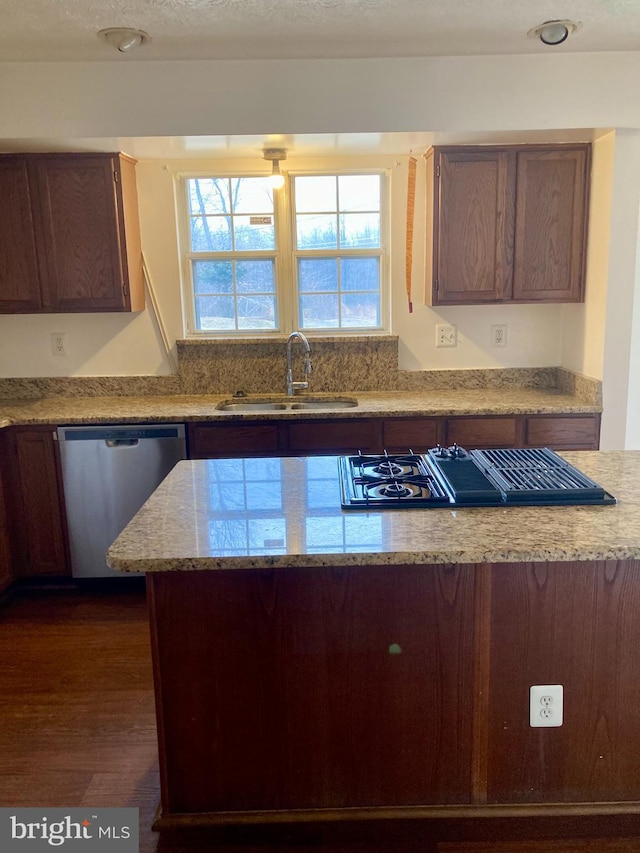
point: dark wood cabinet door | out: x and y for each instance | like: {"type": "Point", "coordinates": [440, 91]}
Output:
{"type": "Point", "coordinates": [19, 275]}
{"type": "Point", "coordinates": [473, 220]}
{"type": "Point", "coordinates": [574, 624]}
{"type": "Point", "coordinates": [210, 441]}
{"type": "Point", "coordinates": [6, 573]}
{"type": "Point", "coordinates": [486, 431]}
{"type": "Point", "coordinates": [418, 434]}
{"type": "Point", "coordinates": [35, 505]}
{"type": "Point", "coordinates": [551, 222]}
{"type": "Point", "coordinates": [82, 240]}
{"type": "Point", "coordinates": [568, 432]}
{"type": "Point", "coordinates": [343, 435]}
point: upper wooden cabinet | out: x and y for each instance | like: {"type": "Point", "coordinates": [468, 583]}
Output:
{"type": "Point", "coordinates": [509, 223]}
{"type": "Point", "coordinates": [69, 234]}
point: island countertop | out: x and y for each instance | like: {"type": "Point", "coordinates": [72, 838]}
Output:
{"type": "Point", "coordinates": [283, 512]}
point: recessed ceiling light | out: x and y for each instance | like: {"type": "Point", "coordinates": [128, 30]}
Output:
{"type": "Point", "coordinates": [124, 38]}
{"type": "Point", "coordinates": [554, 32]}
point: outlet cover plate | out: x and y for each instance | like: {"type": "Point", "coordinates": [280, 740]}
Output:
{"type": "Point", "coordinates": [546, 705]}
{"type": "Point", "coordinates": [446, 336]}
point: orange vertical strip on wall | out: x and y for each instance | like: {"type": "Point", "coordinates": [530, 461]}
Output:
{"type": "Point", "coordinates": [411, 204]}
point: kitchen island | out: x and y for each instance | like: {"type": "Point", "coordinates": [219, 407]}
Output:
{"type": "Point", "coordinates": [313, 663]}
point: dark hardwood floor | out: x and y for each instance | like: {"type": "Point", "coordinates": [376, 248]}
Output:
{"type": "Point", "coordinates": [77, 728]}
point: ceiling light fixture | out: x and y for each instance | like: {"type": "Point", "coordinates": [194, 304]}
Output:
{"type": "Point", "coordinates": [554, 32]}
{"type": "Point", "coordinates": [124, 38]}
{"type": "Point", "coordinates": [275, 155]}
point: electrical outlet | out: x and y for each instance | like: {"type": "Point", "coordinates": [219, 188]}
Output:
{"type": "Point", "coordinates": [446, 336]}
{"type": "Point", "coordinates": [546, 705]}
{"type": "Point", "coordinates": [499, 335]}
{"type": "Point", "coordinates": [59, 343]}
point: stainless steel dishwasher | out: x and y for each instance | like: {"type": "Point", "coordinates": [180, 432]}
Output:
{"type": "Point", "coordinates": [108, 473]}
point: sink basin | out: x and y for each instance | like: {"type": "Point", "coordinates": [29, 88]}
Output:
{"type": "Point", "coordinates": [251, 406]}
{"type": "Point", "coordinates": [325, 404]}
{"type": "Point", "coordinates": [292, 404]}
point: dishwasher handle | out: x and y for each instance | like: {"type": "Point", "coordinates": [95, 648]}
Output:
{"type": "Point", "coordinates": [121, 442]}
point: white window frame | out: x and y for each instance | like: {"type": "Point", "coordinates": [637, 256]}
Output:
{"type": "Point", "coordinates": [285, 255]}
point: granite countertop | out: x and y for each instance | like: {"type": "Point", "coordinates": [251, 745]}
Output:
{"type": "Point", "coordinates": [213, 514]}
{"type": "Point", "coordinates": [175, 408]}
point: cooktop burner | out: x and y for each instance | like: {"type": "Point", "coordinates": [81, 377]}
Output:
{"type": "Point", "coordinates": [453, 477]}
{"type": "Point", "coordinates": [385, 479]}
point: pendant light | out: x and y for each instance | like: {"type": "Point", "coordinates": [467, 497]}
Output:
{"type": "Point", "coordinates": [275, 155]}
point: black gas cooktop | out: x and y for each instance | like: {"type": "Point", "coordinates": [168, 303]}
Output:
{"type": "Point", "coordinates": [455, 477]}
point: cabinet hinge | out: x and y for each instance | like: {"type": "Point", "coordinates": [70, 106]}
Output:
{"type": "Point", "coordinates": [437, 285]}
{"type": "Point", "coordinates": [115, 177]}
{"type": "Point", "coordinates": [125, 288]}
{"type": "Point", "coordinates": [437, 171]}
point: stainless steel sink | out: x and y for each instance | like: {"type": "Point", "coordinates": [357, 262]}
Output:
{"type": "Point", "coordinates": [324, 404]}
{"type": "Point", "coordinates": [293, 404]}
{"type": "Point", "coordinates": [250, 406]}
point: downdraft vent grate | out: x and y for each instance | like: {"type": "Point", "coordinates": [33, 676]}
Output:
{"type": "Point", "coordinates": [537, 474]}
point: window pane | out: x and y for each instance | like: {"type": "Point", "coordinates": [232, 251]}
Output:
{"type": "Point", "coordinates": [251, 237]}
{"type": "Point", "coordinates": [317, 193]}
{"type": "Point", "coordinates": [256, 312]}
{"type": "Point", "coordinates": [360, 309]}
{"type": "Point", "coordinates": [359, 192]}
{"type": "Point", "coordinates": [209, 195]}
{"type": "Point", "coordinates": [319, 311]}
{"type": "Point", "coordinates": [317, 274]}
{"type": "Point", "coordinates": [211, 234]}
{"type": "Point", "coordinates": [212, 277]}
{"type": "Point", "coordinates": [360, 273]}
{"type": "Point", "coordinates": [215, 312]}
{"type": "Point", "coordinates": [252, 195]}
{"type": "Point", "coordinates": [316, 231]}
{"type": "Point", "coordinates": [360, 230]}
{"type": "Point", "coordinates": [255, 276]}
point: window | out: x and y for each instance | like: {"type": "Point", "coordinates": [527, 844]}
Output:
{"type": "Point", "coordinates": [314, 259]}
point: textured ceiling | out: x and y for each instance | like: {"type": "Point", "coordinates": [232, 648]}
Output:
{"type": "Point", "coordinates": [32, 30]}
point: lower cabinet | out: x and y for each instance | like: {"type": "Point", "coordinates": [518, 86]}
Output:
{"type": "Point", "coordinates": [6, 571]}
{"type": "Point", "coordinates": [396, 435]}
{"type": "Point", "coordinates": [34, 502]}
{"type": "Point", "coordinates": [284, 438]}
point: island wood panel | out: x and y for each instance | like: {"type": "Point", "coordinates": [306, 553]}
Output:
{"type": "Point", "coordinates": [572, 432]}
{"type": "Point", "coordinates": [417, 434]}
{"type": "Point", "coordinates": [33, 489]}
{"type": "Point", "coordinates": [575, 845]}
{"type": "Point", "coordinates": [252, 438]}
{"type": "Point", "coordinates": [313, 688]}
{"type": "Point", "coordinates": [345, 435]}
{"type": "Point", "coordinates": [574, 624]}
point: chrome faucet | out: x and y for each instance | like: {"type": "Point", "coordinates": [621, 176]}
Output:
{"type": "Point", "coordinates": [308, 368]}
